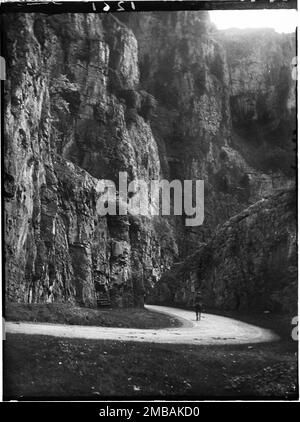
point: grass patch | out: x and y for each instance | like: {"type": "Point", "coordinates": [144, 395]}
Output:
{"type": "Point", "coordinates": [63, 313]}
{"type": "Point", "coordinates": [39, 367]}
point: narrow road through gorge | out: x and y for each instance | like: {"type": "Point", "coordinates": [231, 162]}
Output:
{"type": "Point", "coordinates": [211, 329]}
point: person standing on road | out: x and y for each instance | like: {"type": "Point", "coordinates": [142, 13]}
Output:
{"type": "Point", "coordinates": [198, 306]}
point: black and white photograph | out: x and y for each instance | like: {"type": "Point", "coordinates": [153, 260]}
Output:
{"type": "Point", "coordinates": [149, 202]}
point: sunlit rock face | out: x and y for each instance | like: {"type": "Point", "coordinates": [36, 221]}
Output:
{"type": "Point", "coordinates": [262, 96]}
{"type": "Point", "coordinates": [263, 77]}
{"type": "Point", "coordinates": [89, 96]}
{"type": "Point", "coordinates": [199, 76]}
{"type": "Point", "coordinates": [65, 128]}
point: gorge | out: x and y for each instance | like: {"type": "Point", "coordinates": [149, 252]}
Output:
{"type": "Point", "coordinates": [158, 95]}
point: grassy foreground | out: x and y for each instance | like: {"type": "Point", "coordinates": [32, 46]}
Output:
{"type": "Point", "coordinates": [76, 315]}
{"type": "Point", "coordinates": [41, 366]}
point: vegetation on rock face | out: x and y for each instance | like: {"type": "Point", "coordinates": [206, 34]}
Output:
{"type": "Point", "coordinates": [155, 98]}
{"type": "Point", "coordinates": [64, 95]}
{"type": "Point", "coordinates": [115, 81]}
{"type": "Point", "coordinates": [138, 103]}
{"type": "Point", "coordinates": [262, 96]}
{"type": "Point", "coordinates": [148, 105]}
{"type": "Point", "coordinates": [157, 95]}
{"type": "Point", "coordinates": [249, 264]}
{"type": "Point", "coordinates": [131, 116]}
{"type": "Point", "coordinates": [217, 67]}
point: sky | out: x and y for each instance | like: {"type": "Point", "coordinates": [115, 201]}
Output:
{"type": "Point", "coordinates": [281, 20]}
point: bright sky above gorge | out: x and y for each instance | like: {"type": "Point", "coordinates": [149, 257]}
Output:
{"type": "Point", "coordinates": [281, 20]}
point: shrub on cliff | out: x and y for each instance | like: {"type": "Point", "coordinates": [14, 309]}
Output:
{"type": "Point", "coordinates": [165, 234]}
{"type": "Point", "coordinates": [64, 95]}
{"type": "Point", "coordinates": [131, 116]}
{"type": "Point", "coordinates": [200, 80]}
{"type": "Point", "coordinates": [276, 159]}
{"type": "Point", "coordinates": [216, 67]}
{"type": "Point", "coordinates": [148, 105]}
{"type": "Point", "coordinates": [138, 103]}
{"type": "Point", "coordinates": [115, 83]}
{"type": "Point", "coordinates": [63, 26]}
{"type": "Point", "coordinates": [131, 97]}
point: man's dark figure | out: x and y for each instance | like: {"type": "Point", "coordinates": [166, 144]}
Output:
{"type": "Point", "coordinates": [198, 306]}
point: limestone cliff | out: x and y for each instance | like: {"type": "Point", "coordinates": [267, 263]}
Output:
{"type": "Point", "coordinates": [250, 264]}
{"type": "Point", "coordinates": [262, 96]}
{"type": "Point", "coordinates": [65, 127]}
{"type": "Point", "coordinates": [157, 95]}
{"type": "Point", "coordinates": [199, 79]}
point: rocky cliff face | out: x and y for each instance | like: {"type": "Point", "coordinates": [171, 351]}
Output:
{"type": "Point", "coordinates": [65, 127]}
{"type": "Point", "coordinates": [89, 96]}
{"type": "Point", "coordinates": [203, 80]}
{"type": "Point", "coordinates": [250, 263]}
{"type": "Point", "coordinates": [262, 96]}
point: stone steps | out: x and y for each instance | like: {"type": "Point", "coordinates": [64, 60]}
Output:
{"type": "Point", "coordinates": [103, 301]}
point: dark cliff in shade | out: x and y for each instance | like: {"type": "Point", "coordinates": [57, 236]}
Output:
{"type": "Point", "coordinates": [249, 264]}
{"type": "Point", "coordinates": [88, 96]}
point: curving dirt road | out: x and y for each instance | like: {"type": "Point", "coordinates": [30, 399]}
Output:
{"type": "Point", "coordinates": [212, 329]}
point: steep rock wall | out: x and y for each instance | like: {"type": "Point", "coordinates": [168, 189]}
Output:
{"type": "Point", "coordinates": [62, 118]}
{"type": "Point", "coordinates": [250, 263]}
{"type": "Point", "coordinates": [196, 76]}
{"type": "Point", "coordinates": [262, 97]}
{"type": "Point", "coordinates": [88, 96]}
